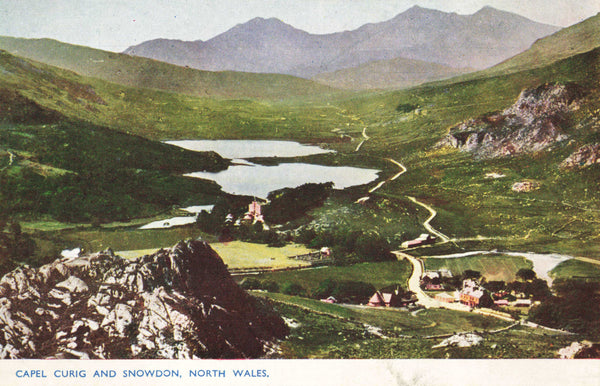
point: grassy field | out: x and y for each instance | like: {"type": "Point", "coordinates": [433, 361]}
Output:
{"type": "Point", "coordinates": [235, 254]}
{"type": "Point", "coordinates": [238, 254]}
{"type": "Point", "coordinates": [491, 267]}
{"type": "Point", "coordinates": [332, 331]}
{"type": "Point", "coordinates": [378, 274]}
{"type": "Point", "coordinates": [576, 268]}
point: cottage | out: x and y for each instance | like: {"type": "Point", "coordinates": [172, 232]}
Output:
{"type": "Point", "coordinates": [392, 299]}
{"type": "Point", "coordinates": [423, 239]}
{"type": "Point", "coordinates": [376, 300]}
{"type": "Point", "coordinates": [445, 273]}
{"type": "Point", "coordinates": [444, 298]}
{"type": "Point", "coordinates": [522, 303]}
{"type": "Point", "coordinates": [431, 274]}
{"type": "Point", "coordinates": [433, 287]}
{"type": "Point", "coordinates": [501, 303]}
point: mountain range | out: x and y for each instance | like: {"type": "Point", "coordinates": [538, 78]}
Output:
{"type": "Point", "coordinates": [270, 46]}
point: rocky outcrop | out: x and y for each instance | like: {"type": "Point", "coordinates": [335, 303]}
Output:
{"type": "Point", "coordinates": [577, 350]}
{"type": "Point", "coordinates": [175, 303]}
{"type": "Point", "coordinates": [525, 186]}
{"type": "Point", "coordinates": [535, 122]}
{"type": "Point", "coordinates": [583, 157]}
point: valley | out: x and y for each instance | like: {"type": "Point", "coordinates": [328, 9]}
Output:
{"type": "Point", "coordinates": [318, 200]}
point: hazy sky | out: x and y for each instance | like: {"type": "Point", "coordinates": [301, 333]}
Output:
{"type": "Point", "coordinates": [114, 25]}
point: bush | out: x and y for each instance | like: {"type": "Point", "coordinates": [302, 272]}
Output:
{"type": "Point", "coordinates": [353, 291]}
{"type": "Point", "coordinates": [325, 289]}
{"type": "Point", "coordinates": [526, 274]}
{"type": "Point", "coordinates": [372, 247]}
{"type": "Point", "coordinates": [293, 289]}
{"type": "Point", "coordinates": [250, 283]}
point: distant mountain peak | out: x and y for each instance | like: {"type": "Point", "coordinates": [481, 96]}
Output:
{"type": "Point", "coordinates": [488, 11]}
{"type": "Point", "coordinates": [430, 35]}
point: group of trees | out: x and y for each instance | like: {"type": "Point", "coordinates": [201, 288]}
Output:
{"type": "Point", "coordinates": [575, 307]}
{"type": "Point", "coordinates": [289, 204]}
{"type": "Point", "coordinates": [348, 246]}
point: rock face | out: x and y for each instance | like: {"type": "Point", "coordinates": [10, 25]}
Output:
{"type": "Point", "coordinates": [583, 157]}
{"type": "Point", "coordinates": [176, 303]}
{"type": "Point", "coordinates": [533, 123]}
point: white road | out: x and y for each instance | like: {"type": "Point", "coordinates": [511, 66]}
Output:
{"type": "Point", "coordinates": [427, 224]}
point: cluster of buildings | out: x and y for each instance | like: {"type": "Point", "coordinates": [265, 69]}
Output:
{"type": "Point", "coordinates": [474, 295]}
{"type": "Point", "coordinates": [395, 298]}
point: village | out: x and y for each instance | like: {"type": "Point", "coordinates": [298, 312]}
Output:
{"type": "Point", "coordinates": [441, 288]}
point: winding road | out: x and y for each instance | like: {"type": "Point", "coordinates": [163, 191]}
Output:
{"type": "Point", "coordinates": [427, 224]}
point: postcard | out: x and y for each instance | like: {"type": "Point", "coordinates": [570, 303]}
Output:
{"type": "Point", "coordinates": [278, 192]}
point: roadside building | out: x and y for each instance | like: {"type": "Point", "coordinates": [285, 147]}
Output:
{"type": "Point", "coordinates": [473, 295]}
{"type": "Point", "coordinates": [392, 299]}
{"type": "Point", "coordinates": [444, 297]}
{"type": "Point", "coordinates": [522, 303]}
{"type": "Point", "coordinates": [423, 239]}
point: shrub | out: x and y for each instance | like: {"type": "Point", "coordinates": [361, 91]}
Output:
{"type": "Point", "coordinates": [353, 291]}
{"type": "Point", "coordinates": [293, 289]}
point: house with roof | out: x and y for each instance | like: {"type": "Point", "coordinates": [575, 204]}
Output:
{"type": "Point", "coordinates": [474, 295]}
{"type": "Point", "coordinates": [423, 239]}
{"type": "Point", "coordinates": [392, 299]}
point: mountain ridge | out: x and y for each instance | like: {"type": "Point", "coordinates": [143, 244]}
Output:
{"type": "Point", "coordinates": [418, 33]}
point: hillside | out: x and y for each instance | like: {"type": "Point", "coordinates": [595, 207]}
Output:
{"type": "Point", "coordinates": [269, 45]}
{"type": "Point", "coordinates": [388, 74]}
{"type": "Point", "coordinates": [74, 170]}
{"type": "Point", "coordinates": [144, 73]}
{"type": "Point", "coordinates": [577, 39]}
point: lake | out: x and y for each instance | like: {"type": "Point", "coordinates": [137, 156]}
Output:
{"type": "Point", "coordinates": [249, 179]}
{"type": "Point", "coordinates": [258, 180]}
{"type": "Point", "coordinates": [251, 148]}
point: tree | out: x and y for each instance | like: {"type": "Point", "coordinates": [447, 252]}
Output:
{"type": "Point", "coordinates": [470, 274]}
{"type": "Point", "coordinates": [526, 274]}
{"type": "Point", "coordinates": [353, 291]}
{"type": "Point", "coordinates": [372, 247]}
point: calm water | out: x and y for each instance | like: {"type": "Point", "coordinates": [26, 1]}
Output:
{"type": "Point", "coordinates": [258, 180]}
{"type": "Point", "coordinates": [250, 148]}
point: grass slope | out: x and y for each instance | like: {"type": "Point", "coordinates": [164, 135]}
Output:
{"type": "Point", "coordinates": [388, 74]}
{"type": "Point", "coordinates": [332, 331]}
{"type": "Point", "coordinates": [378, 274]}
{"type": "Point", "coordinates": [576, 39]}
{"type": "Point", "coordinates": [491, 267]}
{"type": "Point", "coordinates": [146, 73]}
